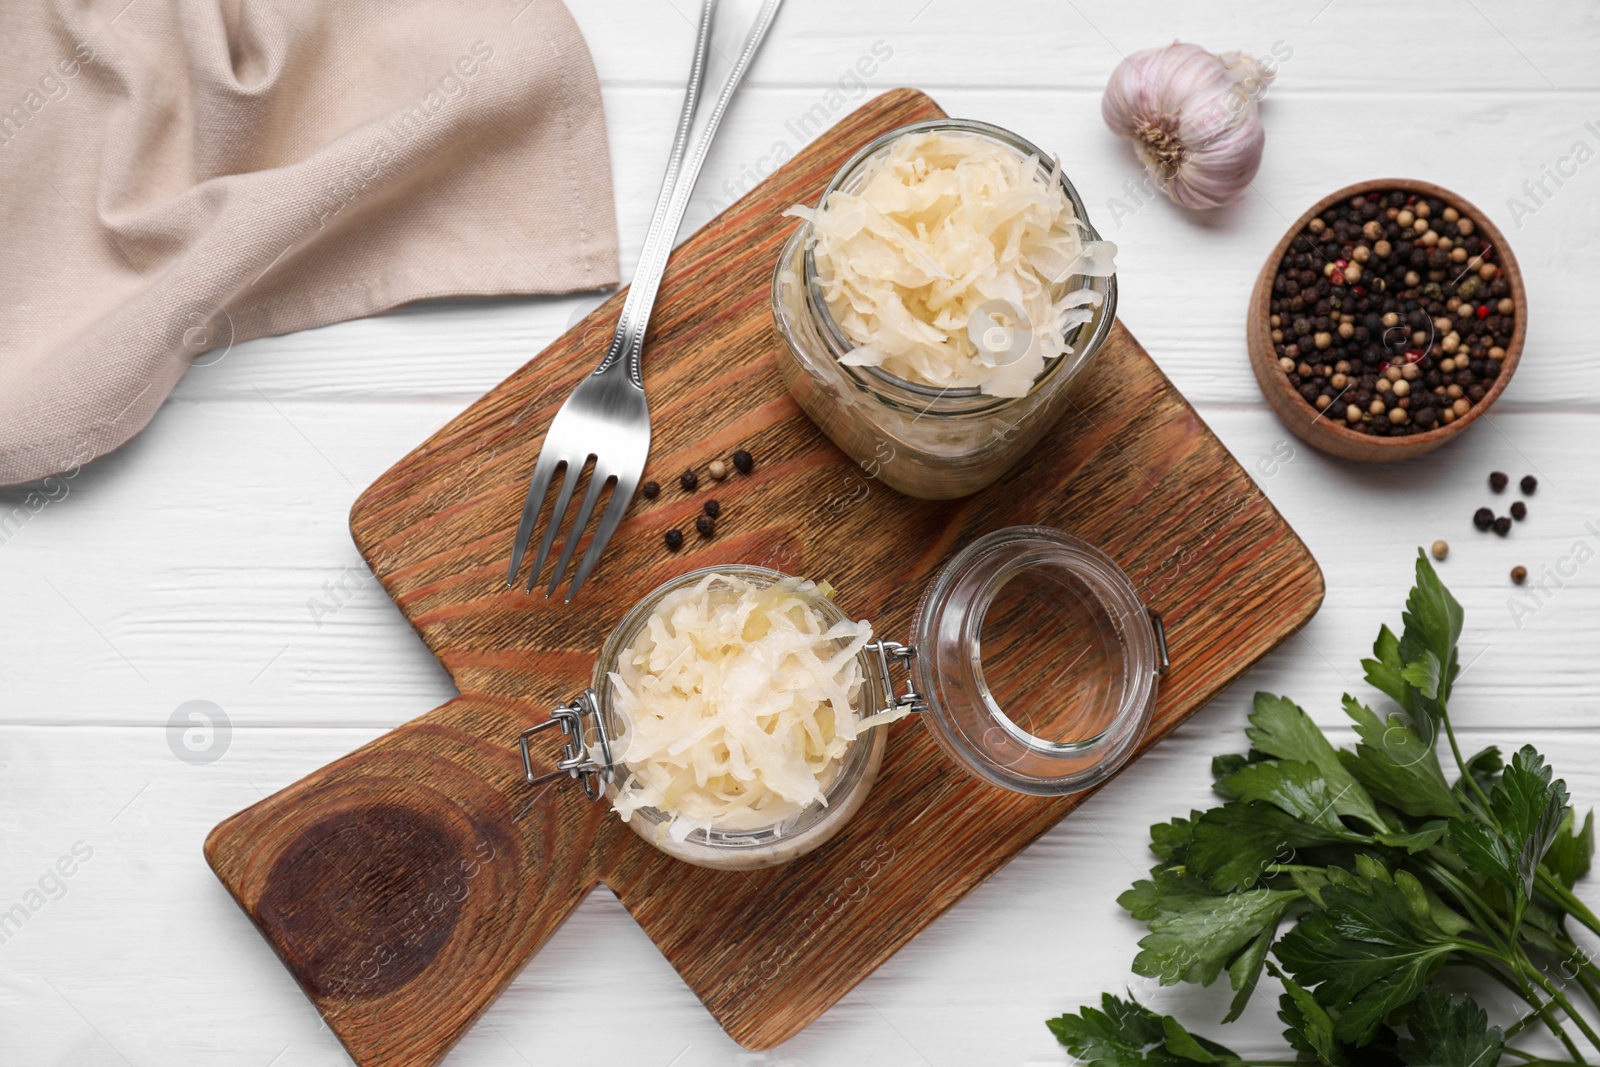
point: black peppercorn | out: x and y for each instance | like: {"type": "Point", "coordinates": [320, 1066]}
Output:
{"type": "Point", "coordinates": [706, 525]}
{"type": "Point", "coordinates": [1519, 574]}
{"type": "Point", "coordinates": [1502, 526]}
{"type": "Point", "coordinates": [1519, 511]}
{"type": "Point", "coordinates": [1483, 518]}
{"type": "Point", "coordinates": [1498, 480]}
{"type": "Point", "coordinates": [650, 490]}
{"type": "Point", "coordinates": [674, 540]}
{"type": "Point", "coordinates": [714, 509]}
{"type": "Point", "coordinates": [1529, 484]}
{"type": "Point", "coordinates": [688, 479]}
{"type": "Point", "coordinates": [743, 462]}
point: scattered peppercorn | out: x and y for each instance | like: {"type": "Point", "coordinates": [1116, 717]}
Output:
{"type": "Point", "coordinates": [1519, 574]}
{"type": "Point", "coordinates": [1502, 526]}
{"type": "Point", "coordinates": [713, 508]}
{"type": "Point", "coordinates": [1529, 484]}
{"type": "Point", "coordinates": [706, 525]}
{"type": "Point", "coordinates": [717, 469]}
{"type": "Point", "coordinates": [651, 490]}
{"type": "Point", "coordinates": [674, 540]}
{"type": "Point", "coordinates": [689, 480]}
{"type": "Point", "coordinates": [1519, 511]}
{"type": "Point", "coordinates": [1498, 480]}
{"type": "Point", "coordinates": [743, 461]}
{"type": "Point", "coordinates": [1441, 549]}
{"type": "Point", "coordinates": [1391, 282]}
{"type": "Point", "coordinates": [1483, 518]}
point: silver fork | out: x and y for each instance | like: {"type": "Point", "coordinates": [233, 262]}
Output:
{"type": "Point", "coordinates": [606, 418]}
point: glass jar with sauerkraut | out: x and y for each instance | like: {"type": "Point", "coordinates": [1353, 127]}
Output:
{"type": "Point", "coordinates": [938, 303]}
{"type": "Point", "coordinates": [736, 717]}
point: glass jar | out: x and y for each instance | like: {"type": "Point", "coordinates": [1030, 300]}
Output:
{"type": "Point", "coordinates": [922, 440]}
{"type": "Point", "coordinates": [1095, 656]}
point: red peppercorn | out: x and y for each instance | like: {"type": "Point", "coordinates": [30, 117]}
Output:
{"type": "Point", "coordinates": [1337, 278]}
{"type": "Point", "coordinates": [1341, 263]}
{"type": "Point", "coordinates": [1483, 311]}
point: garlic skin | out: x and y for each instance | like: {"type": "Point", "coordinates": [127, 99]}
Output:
{"type": "Point", "coordinates": [1193, 117]}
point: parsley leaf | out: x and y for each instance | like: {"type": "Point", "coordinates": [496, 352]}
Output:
{"type": "Point", "coordinates": [1365, 954]}
{"type": "Point", "coordinates": [1418, 668]}
{"type": "Point", "coordinates": [1171, 840]}
{"type": "Point", "coordinates": [1297, 789]}
{"type": "Point", "coordinates": [1245, 971]}
{"type": "Point", "coordinates": [1397, 766]}
{"type": "Point", "coordinates": [1432, 621]}
{"type": "Point", "coordinates": [1278, 727]}
{"type": "Point", "coordinates": [1572, 851]}
{"type": "Point", "coordinates": [1192, 938]}
{"type": "Point", "coordinates": [1419, 840]}
{"type": "Point", "coordinates": [1450, 1031]}
{"type": "Point", "coordinates": [1125, 1033]}
{"type": "Point", "coordinates": [1234, 845]}
{"type": "Point", "coordinates": [1529, 810]}
{"type": "Point", "coordinates": [1309, 1026]}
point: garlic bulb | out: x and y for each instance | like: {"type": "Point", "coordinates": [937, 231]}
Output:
{"type": "Point", "coordinates": [1193, 118]}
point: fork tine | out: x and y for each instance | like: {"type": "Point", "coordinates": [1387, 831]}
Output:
{"type": "Point", "coordinates": [608, 526]}
{"type": "Point", "coordinates": [574, 468]}
{"type": "Point", "coordinates": [538, 486]}
{"type": "Point", "coordinates": [597, 481]}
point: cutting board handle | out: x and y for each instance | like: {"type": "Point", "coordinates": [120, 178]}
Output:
{"type": "Point", "coordinates": [407, 883]}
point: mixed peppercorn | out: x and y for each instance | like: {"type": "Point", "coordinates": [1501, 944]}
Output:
{"type": "Point", "coordinates": [1390, 313]}
{"type": "Point", "coordinates": [705, 524]}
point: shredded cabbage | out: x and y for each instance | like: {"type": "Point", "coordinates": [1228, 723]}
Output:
{"type": "Point", "coordinates": [954, 263]}
{"type": "Point", "coordinates": [739, 700]}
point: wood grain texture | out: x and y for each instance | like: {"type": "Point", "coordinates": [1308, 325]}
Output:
{"type": "Point", "coordinates": [406, 884]}
{"type": "Point", "coordinates": [1332, 435]}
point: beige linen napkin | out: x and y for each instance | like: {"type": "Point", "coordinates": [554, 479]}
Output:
{"type": "Point", "coordinates": [180, 175]}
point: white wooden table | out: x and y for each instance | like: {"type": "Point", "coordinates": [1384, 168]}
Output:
{"type": "Point", "coordinates": [196, 564]}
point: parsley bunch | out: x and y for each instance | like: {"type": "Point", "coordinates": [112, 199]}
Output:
{"type": "Point", "coordinates": [1384, 872]}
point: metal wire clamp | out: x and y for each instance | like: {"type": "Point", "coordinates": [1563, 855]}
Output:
{"type": "Point", "coordinates": [576, 761]}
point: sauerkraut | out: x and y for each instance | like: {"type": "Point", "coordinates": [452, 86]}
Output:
{"type": "Point", "coordinates": [739, 699]}
{"type": "Point", "coordinates": [957, 262]}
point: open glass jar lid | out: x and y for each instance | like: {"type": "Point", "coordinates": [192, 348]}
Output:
{"type": "Point", "coordinates": [1031, 660]}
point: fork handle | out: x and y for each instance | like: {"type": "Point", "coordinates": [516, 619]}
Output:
{"type": "Point", "coordinates": [683, 169]}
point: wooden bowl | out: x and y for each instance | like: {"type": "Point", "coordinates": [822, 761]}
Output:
{"type": "Point", "coordinates": [1332, 436]}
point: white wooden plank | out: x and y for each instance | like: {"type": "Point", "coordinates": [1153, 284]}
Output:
{"type": "Point", "coordinates": [1045, 43]}
{"type": "Point", "coordinates": [180, 570]}
{"type": "Point", "coordinates": [1185, 280]}
{"type": "Point", "coordinates": [144, 959]}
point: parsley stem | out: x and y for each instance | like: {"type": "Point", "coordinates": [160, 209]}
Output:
{"type": "Point", "coordinates": [1455, 748]}
{"type": "Point", "coordinates": [1485, 917]}
{"type": "Point", "coordinates": [1561, 999]}
{"type": "Point", "coordinates": [1480, 958]}
{"type": "Point", "coordinates": [1565, 898]}
{"type": "Point", "coordinates": [1534, 1061]}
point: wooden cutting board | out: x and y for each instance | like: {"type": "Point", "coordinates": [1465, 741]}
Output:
{"type": "Point", "coordinates": [406, 884]}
